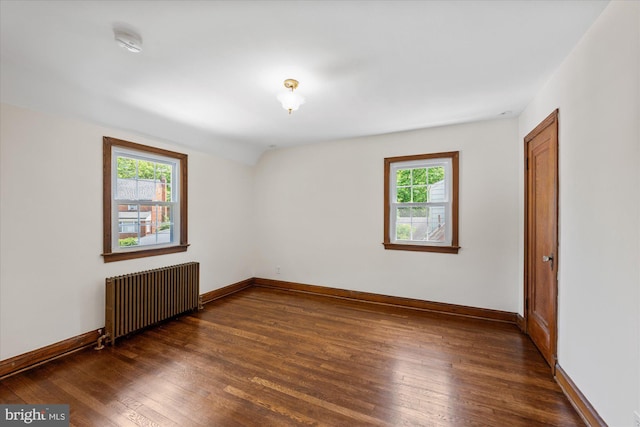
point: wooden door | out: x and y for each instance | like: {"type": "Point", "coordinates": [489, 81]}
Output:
{"type": "Point", "coordinates": [541, 236]}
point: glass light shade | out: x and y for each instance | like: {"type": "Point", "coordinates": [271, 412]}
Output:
{"type": "Point", "coordinates": [290, 100]}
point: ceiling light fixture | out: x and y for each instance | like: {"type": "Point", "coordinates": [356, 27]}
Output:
{"type": "Point", "coordinates": [128, 40]}
{"type": "Point", "coordinates": [290, 101]}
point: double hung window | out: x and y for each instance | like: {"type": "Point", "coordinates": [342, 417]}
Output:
{"type": "Point", "coordinates": [421, 202]}
{"type": "Point", "coordinates": [145, 200]}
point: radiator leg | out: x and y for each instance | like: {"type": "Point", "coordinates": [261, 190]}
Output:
{"type": "Point", "coordinates": [200, 305]}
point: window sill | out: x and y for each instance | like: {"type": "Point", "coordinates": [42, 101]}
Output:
{"type": "Point", "coordinates": [121, 256]}
{"type": "Point", "coordinates": [422, 248]}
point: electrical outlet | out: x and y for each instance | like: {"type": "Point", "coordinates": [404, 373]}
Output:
{"type": "Point", "coordinates": [636, 420]}
{"type": "Point", "coordinates": [277, 269]}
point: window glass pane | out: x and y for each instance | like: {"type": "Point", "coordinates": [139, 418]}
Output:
{"type": "Point", "coordinates": [169, 195]}
{"type": "Point", "coordinates": [403, 177]}
{"type": "Point", "coordinates": [160, 228]}
{"type": "Point", "coordinates": [159, 189]}
{"type": "Point", "coordinates": [419, 223]}
{"type": "Point", "coordinates": [419, 213]}
{"type": "Point", "coordinates": [128, 217]}
{"type": "Point", "coordinates": [146, 169]}
{"type": "Point", "coordinates": [143, 180]}
{"type": "Point", "coordinates": [437, 192]}
{"type": "Point", "coordinates": [149, 225]}
{"type": "Point", "coordinates": [436, 224]}
{"type": "Point", "coordinates": [164, 174]}
{"type": "Point", "coordinates": [418, 231]}
{"type": "Point", "coordinates": [164, 170]}
{"type": "Point", "coordinates": [126, 167]}
{"type": "Point", "coordinates": [403, 223]}
{"type": "Point", "coordinates": [125, 242]}
{"type": "Point", "coordinates": [403, 231]}
{"type": "Point", "coordinates": [144, 188]}
{"type": "Point", "coordinates": [419, 176]}
{"type": "Point", "coordinates": [436, 174]}
{"type": "Point", "coordinates": [128, 226]}
{"type": "Point", "coordinates": [404, 212]}
{"type": "Point", "coordinates": [156, 225]}
{"type": "Point", "coordinates": [404, 195]}
{"type": "Point", "coordinates": [126, 189]}
{"type": "Point", "coordinates": [126, 186]}
{"type": "Point", "coordinates": [420, 194]}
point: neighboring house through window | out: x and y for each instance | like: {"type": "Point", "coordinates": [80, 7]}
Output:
{"type": "Point", "coordinates": [145, 200]}
{"type": "Point", "coordinates": [421, 202]}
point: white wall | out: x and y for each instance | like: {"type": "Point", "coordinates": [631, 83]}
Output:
{"type": "Point", "coordinates": [51, 272]}
{"type": "Point", "coordinates": [319, 216]}
{"type": "Point", "coordinates": [596, 90]}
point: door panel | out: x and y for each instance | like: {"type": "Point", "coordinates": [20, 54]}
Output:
{"type": "Point", "coordinates": [541, 263]}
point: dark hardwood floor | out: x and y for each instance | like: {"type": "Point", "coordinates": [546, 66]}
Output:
{"type": "Point", "coordinates": [265, 357]}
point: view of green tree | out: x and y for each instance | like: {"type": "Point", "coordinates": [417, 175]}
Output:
{"type": "Point", "coordinates": [403, 177]}
{"type": "Point", "coordinates": [146, 169]}
{"type": "Point", "coordinates": [129, 168]}
{"type": "Point", "coordinates": [128, 241]}
{"type": "Point", "coordinates": [404, 195]}
{"type": "Point", "coordinates": [403, 232]}
{"type": "Point", "coordinates": [419, 176]}
{"type": "Point", "coordinates": [420, 194]}
{"type": "Point", "coordinates": [412, 184]}
{"type": "Point", "coordinates": [163, 170]}
{"type": "Point", "coordinates": [435, 174]}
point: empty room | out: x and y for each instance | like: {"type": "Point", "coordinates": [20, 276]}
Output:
{"type": "Point", "coordinates": [331, 213]}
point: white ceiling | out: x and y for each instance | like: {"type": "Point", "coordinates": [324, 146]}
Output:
{"type": "Point", "coordinates": [210, 71]}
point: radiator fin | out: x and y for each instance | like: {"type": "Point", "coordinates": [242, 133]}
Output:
{"type": "Point", "coordinates": [135, 301]}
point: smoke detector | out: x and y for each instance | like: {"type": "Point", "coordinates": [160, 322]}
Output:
{"type": "Point", "coordinates": [128, 40]}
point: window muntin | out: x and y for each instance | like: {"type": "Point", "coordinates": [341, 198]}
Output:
{"type": "Point", "coordinates": [145, 200]}
{"type": "Point", "coordinates": [421, 202]}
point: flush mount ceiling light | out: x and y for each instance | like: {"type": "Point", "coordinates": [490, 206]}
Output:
{"type": "Point", "coordinates": [290, 101]}
{"type": "Point", "coordinates": [128, 40]}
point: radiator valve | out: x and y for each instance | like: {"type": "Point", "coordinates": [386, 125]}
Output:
{"type": "Point", "coordinates": [101, 338]}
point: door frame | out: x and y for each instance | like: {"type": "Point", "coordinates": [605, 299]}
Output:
{"type": "Point", "coordinates": [550, 120]}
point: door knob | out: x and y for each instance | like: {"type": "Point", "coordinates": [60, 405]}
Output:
{"type": "Point", "coordinates": [546, 258]}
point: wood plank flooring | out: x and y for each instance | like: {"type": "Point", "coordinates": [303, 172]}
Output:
{"type": "Point", "coordinates": [265, 357]}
